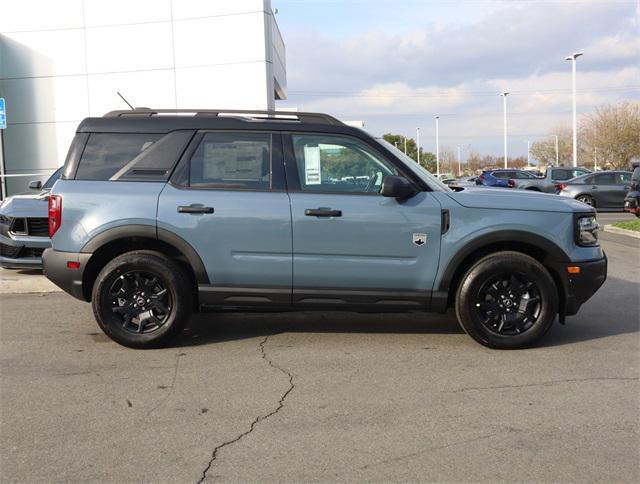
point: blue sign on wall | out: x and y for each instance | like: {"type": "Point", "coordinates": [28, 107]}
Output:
{"type": "Point", "coordinates": [3, 114]}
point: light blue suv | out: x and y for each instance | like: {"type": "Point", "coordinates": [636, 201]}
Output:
{"type": "Point", "coordinates": [160, 213]}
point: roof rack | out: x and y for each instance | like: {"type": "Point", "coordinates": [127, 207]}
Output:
{"type": "Point", "coordinates": [312, 118]}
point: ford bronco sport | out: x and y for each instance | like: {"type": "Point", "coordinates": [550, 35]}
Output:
{"type": "Point", "coordinates": [160, 213]}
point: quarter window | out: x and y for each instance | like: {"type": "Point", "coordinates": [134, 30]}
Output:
{"type": "Point", "coordinates": [338, 164]}
{"type": "Point", "coordinates": [232, 161]}
{"type": "Point", "coordinates": [106, 153]}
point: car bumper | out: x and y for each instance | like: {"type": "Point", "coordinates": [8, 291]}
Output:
{"type": "Point", "coordinates": [55, 268]}
{"type": "Point", "coordinates": [580, 287]}
{"type": "Point", "coordinates": [22, 252]}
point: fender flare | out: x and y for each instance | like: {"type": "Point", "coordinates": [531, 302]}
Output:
{"type": "Point", "coordinates": [553, 251]}
{"type": "Point", "coordinates": [150, 232]}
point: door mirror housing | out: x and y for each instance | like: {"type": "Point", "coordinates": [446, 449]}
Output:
{"type": "Point", "coordinates": [35, 185]}
{"type": "Point", "coordinates": [396, 187]}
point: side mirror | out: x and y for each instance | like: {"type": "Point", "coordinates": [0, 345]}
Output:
{"type": "Point", "coordinates": [35, 185]}
{"type": "Point", "coordinates": [396, 187]}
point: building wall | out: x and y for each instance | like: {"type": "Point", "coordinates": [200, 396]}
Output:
{"type": "Point", "coordinates": [61, 61]}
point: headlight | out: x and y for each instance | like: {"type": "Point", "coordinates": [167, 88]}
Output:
{"type": "Point", "coordinates": [587, 230]}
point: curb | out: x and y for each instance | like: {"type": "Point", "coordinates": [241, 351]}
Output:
{"type": "Point", "coordinates": [618, 230]}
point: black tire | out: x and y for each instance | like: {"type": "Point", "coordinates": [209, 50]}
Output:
{"type": "Point", "coordinates": [483, 311]}
{"type": "Point", "coordinates": [119, 294]}
{"type": "Point", "coordinates": [588, 199]}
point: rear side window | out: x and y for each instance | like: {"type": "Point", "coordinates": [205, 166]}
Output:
{"type": "Point", "coordinates": [232, 161]}
{"type": "Point", "coordinates": [106, 153]}
{"type": "Point", "coordinates": [605, 179]}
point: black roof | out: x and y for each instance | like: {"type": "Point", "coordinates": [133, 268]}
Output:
{"type": "Point", "coordinates": [144, 120]}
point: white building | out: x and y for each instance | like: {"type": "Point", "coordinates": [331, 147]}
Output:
{"type": "Point", "coordinates": [61, 61]}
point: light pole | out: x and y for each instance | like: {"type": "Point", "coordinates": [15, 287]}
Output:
{"type": "Point", "coordinates": [405, 145]}
{"type": "Point", "coordinates": [573, 58]}
{"type": "Point", "coordinates": [418, 143]}
{"type": "Point", "coordinates": [557, 150]}
{"type": "Point", "coordinates": [459, 165]}
{"type": "Point", "coordinates": [504, 103]}
{"type": "Point", "coordinates": [528, 153]}
{"type": "Point", "coordinates": [437, 118]}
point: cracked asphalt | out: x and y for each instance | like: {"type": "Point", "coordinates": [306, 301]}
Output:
{"type": "Point", "coordinates": [323, 397]}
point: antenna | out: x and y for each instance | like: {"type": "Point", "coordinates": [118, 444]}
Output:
{"type": "Point", "coordinates": [122, 97]}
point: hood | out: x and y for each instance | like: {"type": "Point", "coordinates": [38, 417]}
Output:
{"type": "Point", "coordinates": [513, 199]}
{"type": "Point", "coordinates": [26, 205]}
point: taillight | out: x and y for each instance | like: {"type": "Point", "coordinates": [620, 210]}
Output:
{"type": "Point", "coordinates": [55, 213]}
{"type": "Point", "coordinates": [561, 186]}
{"type": "Point", "coordinates": [511, 184]}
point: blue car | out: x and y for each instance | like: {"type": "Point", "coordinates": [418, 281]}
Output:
{"type": "Point", "coordinates": [159, 213]}
{"type": "Point", "coordinates": [502, 178]}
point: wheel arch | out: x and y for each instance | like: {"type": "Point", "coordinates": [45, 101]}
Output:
{"type": "Point", "coordinates": [118, 240]}
{"type": "Point", "coordinates": [540, 248]}
{"type": "Point", "coordinates": [582, 194]}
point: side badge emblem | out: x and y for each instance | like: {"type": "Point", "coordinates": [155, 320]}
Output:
{"type": "Point", "coordinates": [419, 239]}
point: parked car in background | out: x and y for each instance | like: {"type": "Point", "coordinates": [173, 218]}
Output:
{"type": "Point", "coordinates": [502, 178]}
{"type": "Point", "coordinates": [602, 190]}
{"type": "Point", "coordinates": [24, 227]}
{"type": "Point", "coordinates": [632, 199]}
{"type": "Point", "coordinates": [552, 177]}
{"type": "Point", "coordinates": [463, 182]}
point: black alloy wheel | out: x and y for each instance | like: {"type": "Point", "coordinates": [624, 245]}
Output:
{"type": "Point", "coordinates": [508, 304]}
{"type": "Point", "coordinates": [141, 300]}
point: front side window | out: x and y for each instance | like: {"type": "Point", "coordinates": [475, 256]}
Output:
{"type": "Point", "coordinates": [232, 161]}
{"type": "Point", "coordinates": [107, 153]}
{"type": "Point", "coordinates": [339, 164]}
{"type": "Point", "coordinates": [624, 178]}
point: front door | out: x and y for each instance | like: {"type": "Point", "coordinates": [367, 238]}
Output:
{"type": "Point", "coordinates": [228, 200]}
{"type": "Point", "coordinates": [350, 244]}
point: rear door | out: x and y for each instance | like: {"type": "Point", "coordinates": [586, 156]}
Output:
{"type": "Point", "coordinates": [351, 245]}
{"type": "Point", "coordinates": [604, 189]}
{"type": "Point", "coordinates": [227, 199]}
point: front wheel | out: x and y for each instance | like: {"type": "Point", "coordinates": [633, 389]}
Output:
{"type": "Point", "coordinates": [142, 299]}
{"type": "Point", "coordinates": [507, 300]}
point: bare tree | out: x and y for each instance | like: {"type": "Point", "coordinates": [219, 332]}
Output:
{"type": "Point", "coordinates": [611, 135]}
{"type": "Point", "coordinates": [545, 150]}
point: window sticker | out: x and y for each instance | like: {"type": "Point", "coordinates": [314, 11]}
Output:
{"type": "Point", "coordinates": [312, 165]}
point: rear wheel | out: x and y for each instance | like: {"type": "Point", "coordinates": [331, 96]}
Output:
{"type": "Point", "coordinates": [507, 300]}
{"type": "Point", "coordinates": [142, 299]}
{"type": "Point", "coordinates": [586, 199]}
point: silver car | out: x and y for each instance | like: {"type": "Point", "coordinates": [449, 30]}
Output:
{"type": "Point", "coordinates": [603, 190]}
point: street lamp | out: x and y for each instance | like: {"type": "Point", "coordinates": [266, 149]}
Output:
{"type": "Point", "coordinates": [418, 143]}
{"type": "Point", "coordinates": [437, 118]}
{"type": "Point", "coordinates": [405, 145]}
{"type": "Point", "coordinates": [459, 165]}
{"type": "Point", "coordinates": [528, 154]}
{"type": "Point", "coordinates": [557, 150]}
{"type": "Point", "coordinates": [504, 102]}
{"type": "Point", "coordinates": [573, 58]}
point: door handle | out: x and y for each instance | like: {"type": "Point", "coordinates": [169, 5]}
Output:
{"type": "Point", "coordinates": [322, 212]}
{"type": "Point", "coordinates": [593, 187]}
{"type": "Point", "coordinates": [194, 209]}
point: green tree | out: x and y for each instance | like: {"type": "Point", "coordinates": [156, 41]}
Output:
{"type": "Point", "coordinates": [427, 159]}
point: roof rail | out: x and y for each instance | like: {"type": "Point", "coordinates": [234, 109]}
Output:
{"type": "Point", "coordinates": [312, 118]}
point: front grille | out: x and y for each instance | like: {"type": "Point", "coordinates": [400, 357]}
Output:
{"type": "Point", "coordinates": [32, 252]}
{"type": "Point", "coordinates": [38, 227]}
{"type": "Point", "coordinates": [9, 251]}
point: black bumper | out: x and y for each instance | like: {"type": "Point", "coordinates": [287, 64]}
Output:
{"type": "Point", "coordinates": [54, 266]}
{"type": "Point", "coordinates": [578, 288]}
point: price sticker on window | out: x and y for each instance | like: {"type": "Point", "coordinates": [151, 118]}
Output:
{"type": "Point", "coordinates": [312, 165]}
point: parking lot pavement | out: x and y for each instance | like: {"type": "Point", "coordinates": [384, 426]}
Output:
{"type": "Point", "coordinates": [323, 396]}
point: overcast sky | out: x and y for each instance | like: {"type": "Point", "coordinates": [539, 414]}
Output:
{"type": "Point", "coordinates": [396, 63]}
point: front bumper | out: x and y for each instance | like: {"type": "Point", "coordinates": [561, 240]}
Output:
{"type": "Point", "coordinates": [54, 266]}
{"type": "Point", "coordinates": [22, 252]}
{"type": "Point", "coordinates": [579, 287]}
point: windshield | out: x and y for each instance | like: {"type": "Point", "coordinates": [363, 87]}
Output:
{"type": "Point", "coordinates": [418, 169]}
